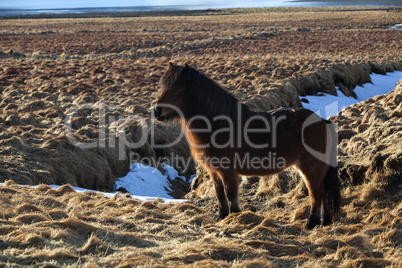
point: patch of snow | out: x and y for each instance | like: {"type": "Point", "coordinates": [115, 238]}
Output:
{"type": "Point", "coordinates": [171, 172]}
{"type": "Point", "coordinates": [143, 182]}
{"type": "Point", "coordinates": [327, 105]}
{"type": "Point", "coordinates": [147, 181]}
{"type": "Point", "coordinates": [397, 27]}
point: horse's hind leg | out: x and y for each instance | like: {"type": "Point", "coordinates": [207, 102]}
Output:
{"type": "Point", "coordinates": [316, 196]}
{"type": "Point", "coordinates": [220, 194]}
{"type": "Point", "coordinates": [327, 217]}
{"type": "Point", "coordinates": [314, 172]}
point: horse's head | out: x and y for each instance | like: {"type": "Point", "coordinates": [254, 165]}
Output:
{"type": "Point", "coordinates": [170, 103]}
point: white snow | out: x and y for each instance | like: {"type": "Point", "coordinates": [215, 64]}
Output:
{"type": "Point", "coordinates": [148, 181]}
{"type": "Point", "coordinates": [143, 182]}
{"type": "Point", "coordinates": [172, 173]}
{"type": "Point", "coordinates": [397, 26]}
{"type": "Point", "coordinates": [327, 105]}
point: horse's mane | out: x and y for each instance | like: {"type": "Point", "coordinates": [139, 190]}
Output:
{"type": "Point", "coordinates": [208, 98]}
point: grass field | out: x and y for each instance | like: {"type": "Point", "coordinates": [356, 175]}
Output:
{"type": "Point", "coordinates": [266, 58]}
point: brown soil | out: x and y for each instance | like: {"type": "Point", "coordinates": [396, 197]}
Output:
{"type": "Point", "coordinates": [267, 58]}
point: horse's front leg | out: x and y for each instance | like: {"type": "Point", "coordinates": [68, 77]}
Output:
{"type": "Point", "coordinates": [231, 183]}
{"type": "Point", "coordinates": [220, 194]}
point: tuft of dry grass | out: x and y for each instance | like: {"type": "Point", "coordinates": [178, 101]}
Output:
{"type": "Point", "coordinates": [93, 244]}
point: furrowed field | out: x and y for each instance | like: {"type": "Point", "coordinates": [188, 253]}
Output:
{"type": "Point", "coordinates": [83, 79]}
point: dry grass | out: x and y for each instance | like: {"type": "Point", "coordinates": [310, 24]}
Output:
{"type": "Point", "coordinates": [91, 229]}
{"type": "Point", "coordinates": [267, 58]}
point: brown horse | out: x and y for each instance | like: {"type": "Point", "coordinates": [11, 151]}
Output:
{"type": "Point", "coordinates": [227, 140]}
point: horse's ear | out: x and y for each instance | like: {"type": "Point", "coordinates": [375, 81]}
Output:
{"type": "Point", "coordinates": [171, 65]}
{"type": "Point", "coordinates": [185, 73]}
{"type": "Point", "coordinates": [185, 70]}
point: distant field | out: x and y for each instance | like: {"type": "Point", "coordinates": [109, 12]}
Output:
{"type": "Point", "coordinates": [356, 2]}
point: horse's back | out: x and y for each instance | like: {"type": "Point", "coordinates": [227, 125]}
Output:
{"type": "Point", "coordinates": [295, 114]}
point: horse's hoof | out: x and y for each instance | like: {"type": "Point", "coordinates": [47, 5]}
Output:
{"type": "Point", "coordinates": [312, 222]}
{"type": "Point", "coordinates": [326, 221]}
{"type": "Point", "coordinates": [223, 213]}
{"type": "Point", "coordinates": [310, 225]}
{"type": "Point", "coordinates": [235, 210]}
{"type": "Point", "coordinates": [222, 216]}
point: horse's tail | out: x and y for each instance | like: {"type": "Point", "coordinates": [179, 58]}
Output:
{"type": "Point", "coordinates": [332, 185]}
{"type": "Point", "coordinates": [332, 192]}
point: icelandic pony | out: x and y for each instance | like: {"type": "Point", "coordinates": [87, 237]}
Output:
{"type": "Point", "coordinates": [227, 140]}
